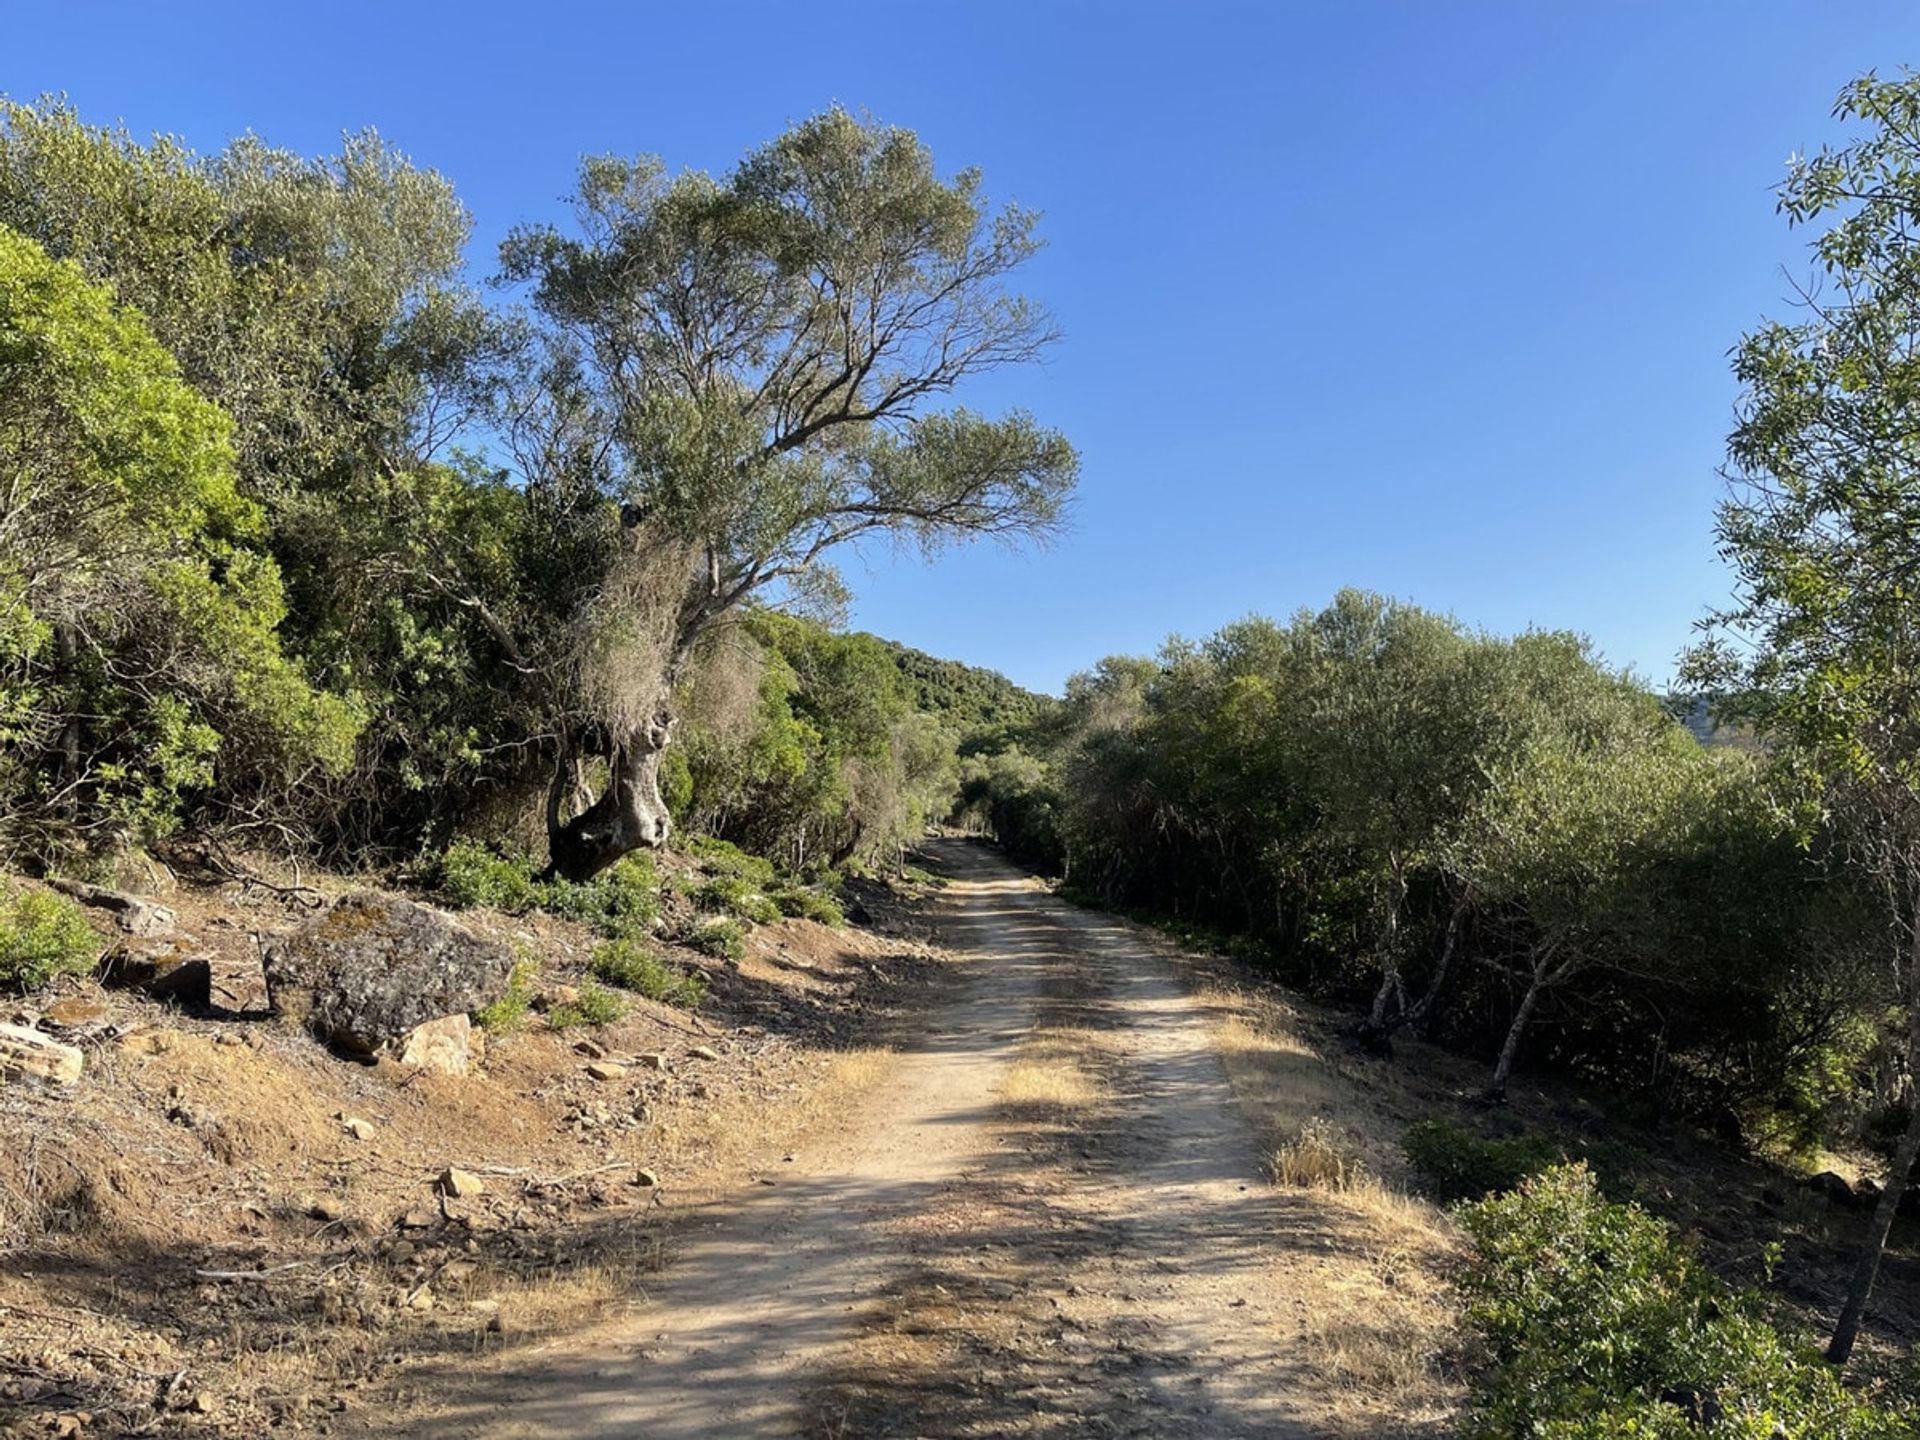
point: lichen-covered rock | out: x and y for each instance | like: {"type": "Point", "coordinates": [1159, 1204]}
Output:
{"type": "Point", "coordinates": [374, 968]}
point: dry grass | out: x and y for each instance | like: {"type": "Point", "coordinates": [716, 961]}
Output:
{"type": "Point", "coordinates": [1052, 1081]}
{"type": "Point", "coordinates": [1379, 1323]}
{"type": "Point", "coordinates": [1318, 1157]}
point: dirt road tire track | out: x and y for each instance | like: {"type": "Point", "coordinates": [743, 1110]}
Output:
{"type": "Point", "coordinates": [956, 1265]}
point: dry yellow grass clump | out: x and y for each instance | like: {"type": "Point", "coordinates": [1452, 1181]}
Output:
{"type": "Point", "coordinates": [1380, 1320]}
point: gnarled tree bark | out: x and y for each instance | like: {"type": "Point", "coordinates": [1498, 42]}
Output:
{"type": "Point", "coordinates": [629, 814]}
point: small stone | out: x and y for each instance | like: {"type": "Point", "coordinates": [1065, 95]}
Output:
{"type": "Point", "coordinates": [646, 1179]}
{"type": "Point", "coordinates": [653, 1062]}
{"type": "Point", "coordinates": [460, 1184]}
{"type": "Point", "coordinates": [423, 1300]}
{"type": "Point", "coordinates": [455, 1272]}
{"type": "Point", "coordinates": [703, 1052]}
{"type": "Point", "coordinates": [323, 1207]}
{"type": "Point", "coordinates": [419, 1220]}
{"type": "Point", "coordinates": [73, 1014]}
{"type": "Point", "coordinates": [356, 1127]}
{"type": "Point", "coordinates": [444, 1045]}
{"type": "Point", "coordinates": [203, 1403]}
{"type": "Point", "coordinates": [606, 1070]}
{"type": "Point", "coordinates": [590, 1049]}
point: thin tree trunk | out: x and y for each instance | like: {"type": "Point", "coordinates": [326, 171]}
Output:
{"type": "Point", "coordinates": [1376, 1026]}
{"type": "Point", "coordinates": [1503, 1067]}
{"type": "Point", "coordinates": [1866, 1268]}
{"type": "Point", "coordinates": [1409, 1014]}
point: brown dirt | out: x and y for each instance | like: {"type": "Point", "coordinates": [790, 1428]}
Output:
{"type": "Point", "coordinates": [191, 1241]}
{"type": "Point", "coordinates": [1050, 1218]}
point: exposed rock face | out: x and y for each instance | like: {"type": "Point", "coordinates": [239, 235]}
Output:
{"type": "Point", "coordinates": [375, 968]}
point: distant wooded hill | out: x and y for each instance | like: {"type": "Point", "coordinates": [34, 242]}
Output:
{"type": "Point", "coordinates": [967, 697]}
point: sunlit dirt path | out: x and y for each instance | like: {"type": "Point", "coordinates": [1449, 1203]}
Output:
{"type": "Point", "coordinates": [1049, 1221]}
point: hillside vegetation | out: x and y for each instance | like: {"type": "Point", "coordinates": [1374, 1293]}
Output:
{"type": "Point", "coordinates": [315, 553]}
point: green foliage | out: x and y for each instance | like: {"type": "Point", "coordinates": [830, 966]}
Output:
{"type": "Point", "coordinates": [475, 877]}
{"type": "Point", "coordinates": [1457, 1164]}
{"type": "Point", "coordinates": [621, 901]}
{"type": "Point", "coordinates": [626, 964]}
{"type": "Point", "coordinates": [722, 939]}
{"type": "Point", "coordinates": [138, 613]}
{"type": "Point", "coordinates": [722, 857]}
{"type": "Point", "coordinates": [509, 1012]}
{"type": "Point", "coordinates": [596, 1005]}
{"type": "Point", "coordinates": [809, 905]}
{"type": "Point", "coordinates": [1597, 1324]}
{"type": "Point", "coordinates": [42, 937]}
{"type": "Point", "coordinates": [731, 895]}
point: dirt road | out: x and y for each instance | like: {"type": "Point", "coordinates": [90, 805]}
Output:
{"type": "Point", "coordinates": [1050, 1222]}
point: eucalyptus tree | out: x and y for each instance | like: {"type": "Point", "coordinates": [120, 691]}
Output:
{"type": "Point", "coordinates": [742, 376]}
{"type": "Point", "coordinates": [1822, 529]}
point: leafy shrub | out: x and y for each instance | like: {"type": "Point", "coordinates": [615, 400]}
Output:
{"type": "Point", "coordinates": [621, 902]}
{"type": "Point", "coordinates": [509, 1012]}
{"type": "Point", "coordinates": [624, 900]}
{"type": "Point", "coordinates": [1460, 1165]}
{"type": "Point", "coordinates": [42, 937]}
{"type": "Point", "coordinates": [626, 964]}
{"type": "Point", "coordinates": [1318, 1158]}
{"type": "Point", "coordinates": [731, 895]}
{"type": "Point", "coordinates": [597, 1005]}
{"type": "Point", "coordinates": [474, 877]}
{"type": "Point", "coordinates": [809, 905]}
{"type": "Point", "coordinates": [722, 858]}
{"type": "Point", "coordinates": [1599, 1326]}
{"type": "Point", "coordinates": [722, 939]}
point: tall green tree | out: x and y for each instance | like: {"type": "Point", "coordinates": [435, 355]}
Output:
{"type": "Point", "coordinates": [1822, 529]}
{"type": "Point", "coordinates": [742, 376]}
{"type": "Point", "coordinates": [138, 610]}
{"type": "Point", "coordinates": [320, 304]}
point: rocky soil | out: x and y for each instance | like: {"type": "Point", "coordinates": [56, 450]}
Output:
{"type": "Point", "coordinates": [221, 1226]}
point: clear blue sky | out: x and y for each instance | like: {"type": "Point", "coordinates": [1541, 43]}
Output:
{"type": "Point", "coordinates": [1430, 297]}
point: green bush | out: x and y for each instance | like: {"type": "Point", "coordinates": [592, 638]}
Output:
{"type": "Point", "coordinates": [509, 1012]}
{"type": "Point", "coordinates": [621, 902]}
{"type": "Point", "coordinates": [42, 937]}
{"type": "Point", "coordinates": [1598, 1326]}
{"type": "Point", "coordinates": [810, 905]}
{"type": "Point", "coordinates": [597, 1005]}
{"type": "Point", "coordinates": [474, 877]}
{"type": "Point", "coordinates": [624, 900]}
{"type": "Point", "coordinates": [721, 858]}
{"type": "Point", "coordinates": [1457, 1164]}
{"type": "Point", "coordinates": [626, 964]}
{"type": "Point", "coordinates": [732, 895]}
{"type": "Point", "coordinates": [722, 939]}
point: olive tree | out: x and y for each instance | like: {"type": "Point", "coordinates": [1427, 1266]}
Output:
{"type": "Point", "coordinates": [740, 376]}
{"type": "Point", "coordinates": [1822, 529]}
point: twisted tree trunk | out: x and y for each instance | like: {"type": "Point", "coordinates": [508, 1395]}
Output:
{"type": "Point", "coordinates": [629, 814]}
